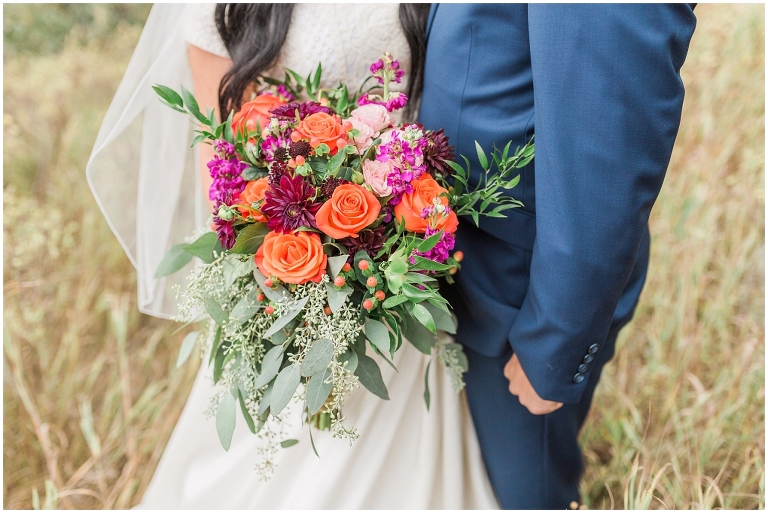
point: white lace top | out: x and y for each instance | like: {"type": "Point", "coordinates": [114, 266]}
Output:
{"type": "Point", "coordinates": [345, 38]}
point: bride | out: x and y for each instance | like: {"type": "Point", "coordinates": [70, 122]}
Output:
{"type": "Point", "coordinates": [144, 178]}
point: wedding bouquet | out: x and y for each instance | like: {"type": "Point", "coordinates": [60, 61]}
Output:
{"type": "Point", "coordinates": [333, 224]}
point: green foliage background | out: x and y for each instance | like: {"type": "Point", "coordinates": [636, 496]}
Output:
{"type": "Point", "coordinates": [90, 391]}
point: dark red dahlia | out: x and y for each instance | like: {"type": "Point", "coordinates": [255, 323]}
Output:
{"type": "Point", "coordinates": [288, 111]}
{"type": "Point", "coordinates": [290, 204]}
{"type": "Point", "coordinates": [276, 171]}
{"type": "Point", "coordinates": [368, 240]}
{"type": "Point", "coordinates": [438, 151]}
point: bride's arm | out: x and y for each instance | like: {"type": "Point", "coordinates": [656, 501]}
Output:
{"type": "Point", "coordinates": [207, 72]}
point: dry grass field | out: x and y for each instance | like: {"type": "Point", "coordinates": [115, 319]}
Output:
{"type": "Point", "coordinates": [90, 390]}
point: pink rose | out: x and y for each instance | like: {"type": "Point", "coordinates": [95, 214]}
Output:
{"type": "Point", "coordinates": [364, 140]}
{"type": "Point", "coordinates": [375, 116]}
{"type": "Point", "coordinates": [376, 174]}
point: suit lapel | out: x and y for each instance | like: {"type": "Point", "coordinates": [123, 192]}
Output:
{"type": "Point", "coordinates": [431, 18]}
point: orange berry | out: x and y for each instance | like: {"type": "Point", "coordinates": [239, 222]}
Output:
{"type": "Point", "coordinates": [340, 143]}
{"type": "Point", "coordinates": [300, 160]}
{"type": "Point", "coordinates": [327, 310]}
{"type": "Point", "coordinates": [295, 136]}
{"type": "Point", "coordinates": [323, 101]}
{"type": "Point", "coordinates": [453, 270]}
{"type": "Point", "coordinates": [363, 265]}
{"type": "Point", "coordinates": [314, 142]}
{"type": "Point", "coordinates": [269, 310]}
{"type": "Point", "coordinates": [348, 126]}
{"type": "Point", "coordinates": [380, 295]}
{"type": "Point", "coordinates": [458, 256]}
{"type": "Point", "coordinates": [291, 163]}
{"type": "Point", "coordinates": [269, 282]}
{"type": "Point", "coordinates": [260, 297]}
{"type": "Point", "coordinates": [339, 281]}
{"type": "Point", "coordinates": [346, 267]}
{"type": "Point", "coordinates": [368, 304]}
{"type": "Point", "coordinates": [372, 282]}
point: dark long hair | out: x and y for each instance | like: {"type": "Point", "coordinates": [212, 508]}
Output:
{"type": "Point", "coordinates": [255, 33]}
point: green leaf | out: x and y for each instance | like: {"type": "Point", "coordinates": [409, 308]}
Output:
{"type": "Point", "coordinates": [316, 79]}
{"type": "Point", "coordinates": [246, 413]}
{"type": "Point", "coordinates": [424, 264]}
{"type": "Point", "coordinates": [318, 358]}
{"type": "Point", "coordinates": [204, 247]}
{"type": "Point", "coordinates": [198, 139]}
{"type": "Point", "coordinates": [215, 311]}
{"type": "Point", "coordinates": [285, 385]}
{"type": "Point", "coordinates": [274, 294]}
{"type": "Point", "coordinates": [443, 320]}
{"type": "Point", "coordinates": [350, 357]}
{"type": "Point", "coordinates": [186, 348]}
{"type": "Point", "coordinates": [234, 268]}
{"type": "Point", "coordinates": [219, 362]}
{"type": "Point", "coordinates": [246, 307]}
{"type": "Point", "coordinates": [225, 420]}
{"type": "Point", "coordinates": [250, 238]}
{"type": "Point", "coordinates": [421, 338]}
{"type": "Point", "coordinates": [456, 167]}
{"type": "Point", "coordinates": [192, 106]}
{"type": "Point", "coordinates": [318, 390]}
{"type": "Point", "coordinates": [424, 317]}
{"type": "Point", "coordinates": [418, 278]}
{"type": "Point", "coordinates": [335, 264]}
{"type": "Point", "coordinates": [270, 366]}
{"type": "Point", "coordinates": [393, 301]}
{"type": "Point", "coordinates": [175, 259]}
{"type": "Point", "coordinates": [168, 94]}
{"type": "Point", "coordinates": [265, 398]}
{"type": "Point", "coordinates": [417, 295]}
{"type": "Point", "coordinates": [426, 385]}
{"type": "Point", "coordinates": [336, 297]}
{"type": "Point", "coordinates": [335, 163]}
{"type": "Point", "coordinates": [430, 242]}
{"type": "Point", "coordinates": [216, 344]}
{"type": "Point", "coordinates": [370, 376]}
{"type": "Point", "coordinates": [288, 443]}
{"type": "Point", "coordinates": [291, 311]}
{"type": "Point", "coordinates": [377, 334]}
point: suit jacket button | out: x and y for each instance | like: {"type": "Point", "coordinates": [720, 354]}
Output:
{"type": "Point", "coordinates": [583, 368]}
{"type": "Point", "coordinates": [588, 358]}
{"type": "Point", "coordinates": [593, 348]}
{"type": "Point", "coordinates": [578, 378]}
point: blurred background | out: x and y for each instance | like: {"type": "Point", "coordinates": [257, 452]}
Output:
{"type": "Point", "coordinates": [91, 393]}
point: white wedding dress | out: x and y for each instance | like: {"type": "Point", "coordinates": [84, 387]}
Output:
{"type": "Point", "coordinates": [406, 456]}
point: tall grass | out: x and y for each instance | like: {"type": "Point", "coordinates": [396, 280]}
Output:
{"type": "Point", "coordinates": [91, 394]}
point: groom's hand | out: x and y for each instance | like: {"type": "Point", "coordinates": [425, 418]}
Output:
{"type": "Point", "coordinates": [522, 388]}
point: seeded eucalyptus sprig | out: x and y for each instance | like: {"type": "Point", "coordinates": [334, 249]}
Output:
{"type": "Point", "coordinates": [487, 197]}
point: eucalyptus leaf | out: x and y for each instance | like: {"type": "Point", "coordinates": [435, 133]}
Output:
{"type": "Point", "coordinates": [216, 344]}
{"type": "Point", "coordinates": [377, 334]}
{"type": "Point", "coordinates": [318, 358]}
{"type": "Point", "coordinates": [285, 386]}
{"type": "Point", "coordinates": [175, 259]}
{"type": "Point", "coordinates": [246, 413]}
{"type": "Point", "coordinates": [288, 443]}
{"type": "Point", "coordinates": [274, 294]}
{"type": "Point", "coordinates": [225, 420]}
{"type": "Point", "coordinates": [246, 307]}
{"type": "Point", "coordinates": [266, 397]}
{"type": "Point", "coordinates": [215, 311]}
{"type": "Point", "coordinates": [426, 385]}
{"type": "Point", "coordinates": [318, 390]}
{"type": "Point", "coordinates": [336, 297]}
{"type": "Point", "coordinates": [233, 268]}
{"type": "Point", "coordinates": [290, 312]}
{"type": "Point", "coordinates": [370, 376]}
{"type": "Point", "coordinates": [187, 345]}
{"type": "Point", "coordinates": [270, 366]}
{"type": "Point", "coordinates": [335, 264]}
{"type": "Point", "coordinates": [350, 357]}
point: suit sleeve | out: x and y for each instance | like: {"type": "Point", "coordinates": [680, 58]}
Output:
{"type": "Point", "coordinates": [608, 98]}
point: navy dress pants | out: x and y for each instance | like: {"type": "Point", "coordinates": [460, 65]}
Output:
{"type": "Point", "coordinates": [533, 461]}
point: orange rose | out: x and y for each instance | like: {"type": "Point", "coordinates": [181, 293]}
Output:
{"type": "Point", "coordinates": [255, 112]}
{"type": "Point", "coordinates": [292, 258]}
{"type": "Point", "coordinates": [410, 207]}
{"type": "Point", "coordinates": [350, 209]}
{"type": "Point", "coordinates": [254, 191]}
{"type": "Point", "coordinates": [322, 128]}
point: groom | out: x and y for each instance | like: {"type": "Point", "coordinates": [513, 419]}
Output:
{"type": "Point", "coordinates": [544, 292]}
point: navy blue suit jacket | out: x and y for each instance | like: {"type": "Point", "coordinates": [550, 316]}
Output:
{"type": "Point", "coordinates": [599, 86]}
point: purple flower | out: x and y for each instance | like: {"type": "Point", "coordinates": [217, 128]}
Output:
{"type": "Point", "coordinates": [227, 178]}
{"type": "Point", "coordinates": [224, 229]}
{"type": "Point", "coordinates": [290, 204]}
{"type": "Point", "coordinates": [440, 252]}
{"type": "Point", "coordinates": [284, 93]}
{"type": "Point", "coordinates": [288, 111]}
{"type": "Point", "coordinates": [223, 147]}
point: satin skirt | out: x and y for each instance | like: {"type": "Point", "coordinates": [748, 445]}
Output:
{"type": "Point", "coordinates": [406, 456]}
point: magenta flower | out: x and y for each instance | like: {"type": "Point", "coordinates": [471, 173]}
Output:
{"type": "Point", "coordinates": [227, 178]}
{"type": "Point", "coordinates": [289, 110]}
{"type": "Point", "coordinates": [440, 252]}
{"type": "Point", "coordinates": [290, 204]}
